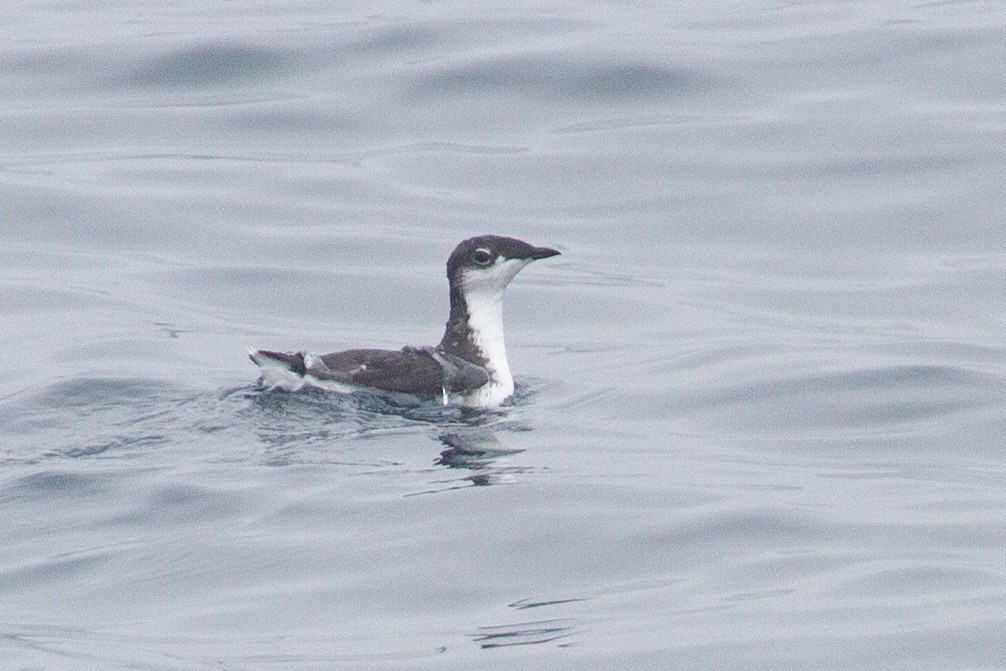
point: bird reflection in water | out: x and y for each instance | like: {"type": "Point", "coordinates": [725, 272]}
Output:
{"type": "Point", "coordinates": [479, 451]}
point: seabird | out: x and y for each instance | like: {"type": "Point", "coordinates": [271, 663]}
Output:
{"type": "Point", "coordinates": [468, 368]}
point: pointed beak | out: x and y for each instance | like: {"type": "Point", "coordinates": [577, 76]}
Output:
{"type": "Point", "coordinates": [542, 253]}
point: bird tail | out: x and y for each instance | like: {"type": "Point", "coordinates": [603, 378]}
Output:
{"type": "Point", "coordinates": [280, 370]}
{"type": "Point", "coordinates": [291, 361]}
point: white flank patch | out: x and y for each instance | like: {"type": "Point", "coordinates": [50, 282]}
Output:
{"type": "Point", "coordinates": [274, 375]}
{"type": "Point", "coordinates": [331, 385]}
{"type": "Point", "coordinates": [277, 375]}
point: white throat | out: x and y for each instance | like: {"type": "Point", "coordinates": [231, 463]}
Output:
{"type": "Point", "coordinates": [485, 320]}
{"type": "Point", "coordinates": [483, 295]}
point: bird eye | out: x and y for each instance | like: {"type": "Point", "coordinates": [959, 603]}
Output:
{"type": "Point", "coordinates": [483, 257]}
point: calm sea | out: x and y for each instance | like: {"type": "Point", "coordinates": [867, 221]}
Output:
{"type": "Point", "coordinates": [761, 396]}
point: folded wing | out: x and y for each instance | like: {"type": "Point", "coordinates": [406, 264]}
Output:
{"type": "Point", "coordinates": [418, 371]}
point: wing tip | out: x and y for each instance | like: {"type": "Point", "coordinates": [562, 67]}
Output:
{"type": "Point", "coordinates": [292, 361]}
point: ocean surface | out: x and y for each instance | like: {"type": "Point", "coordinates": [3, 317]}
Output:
{"type": "Point", "coordinates": [761, 398]}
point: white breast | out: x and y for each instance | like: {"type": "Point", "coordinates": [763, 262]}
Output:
{"type": "Point", "coordinates": [485, 320]}
{"type": "Point", "coordinates": [484, 300]}
{"type": "Point", "coordinates": [487, 396]}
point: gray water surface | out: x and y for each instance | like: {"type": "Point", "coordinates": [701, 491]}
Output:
{"type": "Point", "coordinates": [761, 395]}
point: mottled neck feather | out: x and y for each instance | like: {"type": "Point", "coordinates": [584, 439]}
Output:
{"type": "Point", "coordinates": [455, 334]}
{"type": "Point", "coordinates": [475, 331]}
